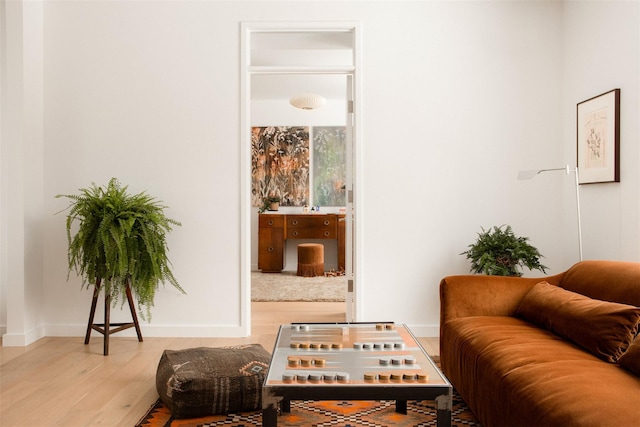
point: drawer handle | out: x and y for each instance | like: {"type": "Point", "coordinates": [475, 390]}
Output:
{"type": "Point", "coordinates": [326, 234]}
{"type": "Point", "coordinates": [270, 249]}
{"type": "Point", "coordinates": [270, 222]}
{"type": "Point", "coordinates": [294, 222]}
{"type": "Point", "coordinates": [295, 233]}
{"type": "Point", "coordinates": [326, 222]}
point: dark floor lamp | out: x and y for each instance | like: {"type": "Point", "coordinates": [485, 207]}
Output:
{"type": "Point", "coordinates": [529, 174]}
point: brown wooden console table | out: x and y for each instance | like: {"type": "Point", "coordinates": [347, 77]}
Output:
{"type": "Point", "coordinates": [275, 229]}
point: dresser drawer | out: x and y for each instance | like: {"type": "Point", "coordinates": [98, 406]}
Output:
{"type": "Point", "coordinates": [271, 220]}
{"type": "Point", "coordinates": [312, 226]}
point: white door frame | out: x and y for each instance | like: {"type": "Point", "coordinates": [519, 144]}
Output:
{"type": "Point", "coordinates": [354, 221]}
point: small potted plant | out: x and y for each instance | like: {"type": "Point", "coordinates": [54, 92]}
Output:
{"type": "Point", "coordinates": [499, 252]}
{"type": "Point", "coordinates": [270, 203]}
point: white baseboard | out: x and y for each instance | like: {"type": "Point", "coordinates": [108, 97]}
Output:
{"type": "Point", "coordinates": [23, 340]}
{"type": "Point", "coordinates": [161, 331]}
{"type": "Point", "coordinates": [164, 331]}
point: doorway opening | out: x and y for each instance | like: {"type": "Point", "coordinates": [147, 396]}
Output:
{"type": "Point", "coordinates": [279, 61]}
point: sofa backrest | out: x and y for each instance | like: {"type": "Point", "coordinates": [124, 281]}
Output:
{"type": "Point", "coordinates": [616, 281]}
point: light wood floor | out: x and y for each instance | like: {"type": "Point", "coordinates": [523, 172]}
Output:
{"type": "Point", "coordinates": [62, 382]}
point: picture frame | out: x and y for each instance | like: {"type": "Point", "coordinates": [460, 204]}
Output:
{"type": "Point", "coordinates": [598, 138]}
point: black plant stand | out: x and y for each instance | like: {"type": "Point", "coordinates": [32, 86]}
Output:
{"type": "Point", "coordinates": [106, 327]}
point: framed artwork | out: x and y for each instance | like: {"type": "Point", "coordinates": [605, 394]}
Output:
{"type": "Point", "coordinates": [598, 121]}
{"type": "Point", "coordinates": [280, 164]}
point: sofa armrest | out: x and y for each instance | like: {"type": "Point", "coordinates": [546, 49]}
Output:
{"type": "Point", "coordinates": [480, 295]}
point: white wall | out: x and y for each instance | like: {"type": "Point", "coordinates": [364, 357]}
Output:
{"type": "Point", "coordinates": [21, 170]}
{"type": "Point", "coordinates": [148, 92]}
{"type": "Point", "coordinates": [602, 52]}
{"type": "Point", "coordinates": [455, 107]}
{"type": "Point", "coordinates": [457, 97]}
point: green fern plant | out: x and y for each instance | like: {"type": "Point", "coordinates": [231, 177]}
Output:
{"type": "Point", "coordinates": [120, 241]}
{"type": "Point", "coordinates": [499, 252]}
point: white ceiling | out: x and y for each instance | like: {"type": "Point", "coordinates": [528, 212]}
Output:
{"type": "Point", "coordinates": [300, 49]}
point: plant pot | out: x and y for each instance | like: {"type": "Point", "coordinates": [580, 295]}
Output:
{"type": "Point", "coordinates": [274, 206]}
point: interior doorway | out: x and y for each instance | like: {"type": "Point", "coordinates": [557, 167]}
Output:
{"type": "Point", "coordinates": [281, 60]}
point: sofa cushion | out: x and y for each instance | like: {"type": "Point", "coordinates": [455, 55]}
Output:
{"type": "Point", "coordinates": [603, 328]}
{"type": "Point", "coordinates": [630, 360]}
{"type": "Point", "coordinates": [616, 281]}
{"type": "Point", "coordinates": [513, 373]}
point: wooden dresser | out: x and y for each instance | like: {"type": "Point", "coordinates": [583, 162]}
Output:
{"type": "Point", "coordinates": [275, 229]}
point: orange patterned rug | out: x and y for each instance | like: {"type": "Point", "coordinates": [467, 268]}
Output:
{"type": "Point", "coordinates": [324, 414]}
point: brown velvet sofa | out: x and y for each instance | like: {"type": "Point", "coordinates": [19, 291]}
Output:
{"type": "Point", "coordinates": [556, 351]}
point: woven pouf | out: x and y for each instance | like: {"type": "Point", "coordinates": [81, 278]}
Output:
{"type": "Point", "coordinates": [207, 381]}
{"type": "Point", "coordinates": [310, 259]}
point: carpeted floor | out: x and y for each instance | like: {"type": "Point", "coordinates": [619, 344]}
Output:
{"type": "Point", "coordinates": [286, 286]}
{"type": "Point", "coordinates": [325, 414]}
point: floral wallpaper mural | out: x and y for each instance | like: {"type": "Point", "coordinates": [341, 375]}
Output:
{"type": "Point", "coordinates": [280, 164]}
{"type": "Point", "coordinates": [329, 165]}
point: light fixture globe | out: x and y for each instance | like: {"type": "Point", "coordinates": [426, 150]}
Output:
{"type": "Point", "coordinates": [307, 101]}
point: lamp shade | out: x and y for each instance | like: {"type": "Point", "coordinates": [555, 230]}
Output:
{"type": "Point", "coordinates": [307, 101]}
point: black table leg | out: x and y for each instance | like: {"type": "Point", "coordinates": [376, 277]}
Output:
{"type": "Point", "coordinates": [401, 407]}
{"type": "Point", "coordinates": [270, 416]}
{"type": "Point", "coordinates": [444, 403]}
{"type": "Point", "coordinates": [443, 418]}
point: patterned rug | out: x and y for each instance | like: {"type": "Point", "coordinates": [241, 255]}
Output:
{"type": "Point", "coordinates": [325, 414]}
{"type": "Point", "coordinates": [286, 286]}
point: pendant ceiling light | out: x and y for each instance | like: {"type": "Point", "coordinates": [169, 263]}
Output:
{"type": "Point", "coordinates": [307, 101]}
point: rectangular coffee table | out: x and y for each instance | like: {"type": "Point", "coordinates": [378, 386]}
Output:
{"type": "Point", "coordinates": [352, 361]}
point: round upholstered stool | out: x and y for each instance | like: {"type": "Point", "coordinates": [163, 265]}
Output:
{"type": "Point", "coordinates": [310, 259]}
